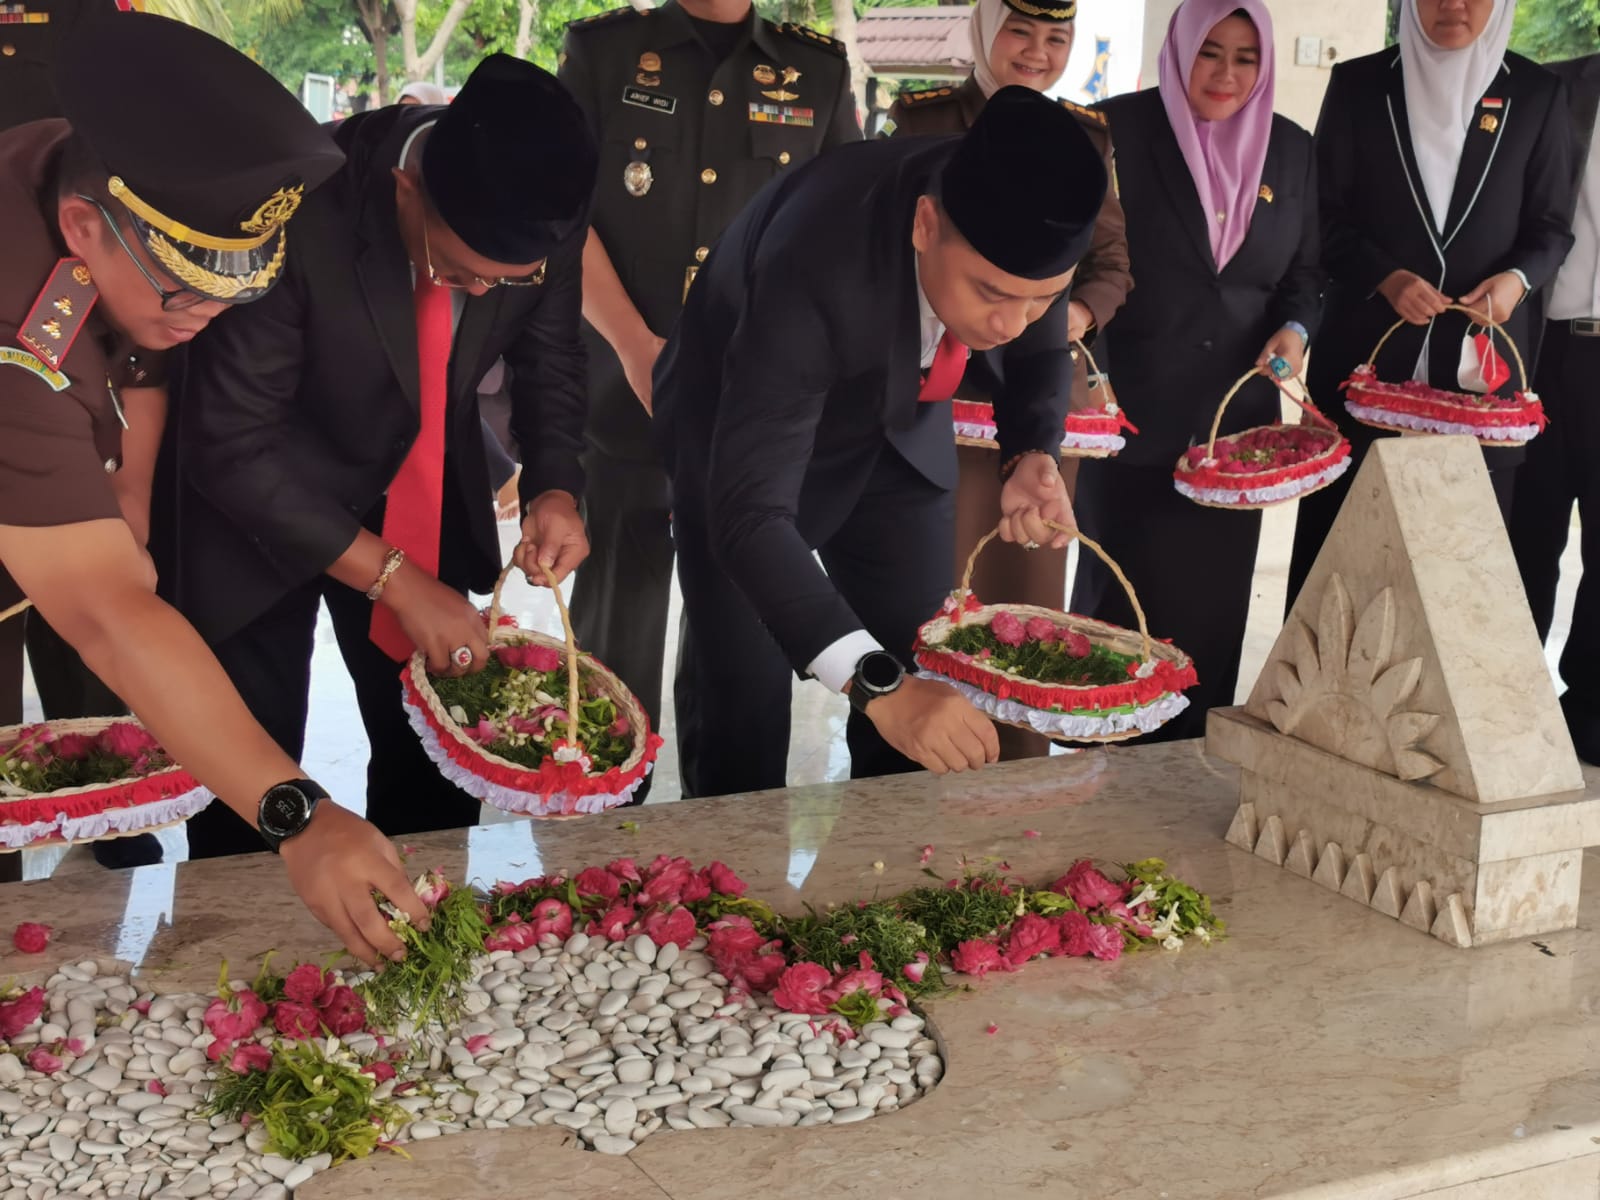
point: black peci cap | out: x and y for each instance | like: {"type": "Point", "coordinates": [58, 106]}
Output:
{"type": "Point", "coordinates": [208, 152]}
{"type": "Point", "coordinates": [510, 167]}
{"type": "Point", "coordinates": [1025, 185]}
{"type": "Point", "coordinates": [1061, 10]}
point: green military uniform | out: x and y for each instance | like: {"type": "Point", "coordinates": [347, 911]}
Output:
{"type": "Point", "coordinates": [693, 119]}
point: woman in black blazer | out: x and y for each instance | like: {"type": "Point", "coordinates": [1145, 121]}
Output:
{"type": "Point", "coordinates": [1208, 176]}
{"type": "Point", "coordinates": [1446, 177]}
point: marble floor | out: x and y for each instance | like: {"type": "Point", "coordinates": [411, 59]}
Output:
{"type": "Point", "coordinates": [336, 745]}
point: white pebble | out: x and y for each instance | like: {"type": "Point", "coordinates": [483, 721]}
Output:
{"type": "Point", "coordinates": [621, 1117]}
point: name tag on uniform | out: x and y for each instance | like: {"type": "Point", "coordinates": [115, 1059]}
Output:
{"type": "Point", "coordinates": [654, 101]}
{"type": "Point", "coordinates": [782, 114]}
{"type": "Point", "coordinates": [10, 355]}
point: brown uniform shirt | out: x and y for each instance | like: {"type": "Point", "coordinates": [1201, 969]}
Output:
{"type": "Point", "coordinates": [1103, 280]}
{"type": "Point", "coordinates": [60, 436]}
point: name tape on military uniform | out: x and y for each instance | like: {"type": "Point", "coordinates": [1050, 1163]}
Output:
{"type": "Point", "coordinates": [11, 356]}
{"type": "Point", "coordinates": [782, 114]}
{"type": "Point", "coordinates": [654, 101]}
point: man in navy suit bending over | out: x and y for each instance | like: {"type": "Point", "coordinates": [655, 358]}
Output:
{"type": "Point", "coordinates": [803, 405]}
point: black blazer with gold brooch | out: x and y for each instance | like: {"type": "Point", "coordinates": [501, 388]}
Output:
{"type": "Point", "coordinates": [1510, 209]}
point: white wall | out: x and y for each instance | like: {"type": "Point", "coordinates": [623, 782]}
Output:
{"type": "Point", "coordinates": [1121, 22]}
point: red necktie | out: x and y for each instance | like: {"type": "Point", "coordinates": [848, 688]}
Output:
{"type": "Point", "coordinates": [944, 373]}
{"type": "Point", "coordinates": [411, 518]}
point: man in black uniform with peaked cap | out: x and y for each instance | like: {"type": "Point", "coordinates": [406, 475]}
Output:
{"type": "Point", "coordinates": [161, 201]}
{"type": "Point", "coordinates": [793, 421]}
{"type": "Point", "coordinates": [330, 437]}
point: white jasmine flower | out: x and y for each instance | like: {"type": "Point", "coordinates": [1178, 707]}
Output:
{"type": "Point", "coordinates": [1173, 942]}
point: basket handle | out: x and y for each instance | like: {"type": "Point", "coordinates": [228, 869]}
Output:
{"type": "Point", "coordinates": [1304, 405]}
{"type": "Point", "coordinates": [1522, 370]}
{"type": "Point", "coordinates": [1094, 370]}
{"type": "Point", "coordinates": [495, 610]}
{"type": "Point", "coordinates": [1086, 541]}
{"type": "Point", "coordinates": [16, 610]}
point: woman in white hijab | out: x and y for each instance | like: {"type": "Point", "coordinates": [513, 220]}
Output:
{"type": "Point", "coordinates": [1445, 177]}
{"type": "Point", "coordinates": [1024, 43]}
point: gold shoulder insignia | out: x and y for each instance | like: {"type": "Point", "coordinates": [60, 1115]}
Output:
{"type": "Point", "coordinates": [1088, 114]}
{"type": "Point", "coordinates": [804, 33]}
{"type": "Point", "coordinates": [926, 96]}
{"type": "Point", "coordinates": [58, 313]}
{"type": "Point", "coordinates": [611, 14]}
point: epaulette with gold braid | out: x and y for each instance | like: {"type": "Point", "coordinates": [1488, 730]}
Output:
{"type": "Point", "coordinates": [1088, 114]}
{"type": "Point", "coordinates": [611, 14]}
{"type": "Point", "coordinates": [804, 33]}
{"type": "Point", "coordinates": [925, 97]}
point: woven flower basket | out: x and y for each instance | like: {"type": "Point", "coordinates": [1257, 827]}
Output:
{"type": "Point", "coordinates": [566, 783]}
{"type": "Point", "coordinates": [1151, 696]}
{"type": "Point", "coordinates": [96, 812]}
{"type": "Point", "coordinates": [1415, 407]}
{"type": "Point", "coordinates": [1089, 433]}
{"type": "Point", "coordinates": [1264, 465]}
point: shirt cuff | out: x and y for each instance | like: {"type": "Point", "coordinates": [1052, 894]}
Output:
{"type": "Point", "coordinates": [1296, 327]}
{"type": "Point", "coordinates": [836, 665]}
{"type": "Point", "coordinates": [1526, 286]}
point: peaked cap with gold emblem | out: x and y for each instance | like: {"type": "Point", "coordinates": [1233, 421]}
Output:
{"type": "Point", "coordinates": [207, 152]}
{"type": "Point", "coordinates": [1044, 10]}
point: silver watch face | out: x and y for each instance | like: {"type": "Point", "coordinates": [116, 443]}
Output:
{"type": "Point", "coordinates": [285, 810]}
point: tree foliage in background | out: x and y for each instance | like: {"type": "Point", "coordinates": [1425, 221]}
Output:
{"type": "Point", "coordinates": [364, 43]}
{"type": "Point", "coordinates": [1549, 30]}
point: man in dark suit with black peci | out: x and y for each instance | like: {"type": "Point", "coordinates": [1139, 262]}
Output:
{"type": "Point", "coordinates": [333, 450]}
{"type": "Point", "coordinates": [793, 420]}
{"type": "Point", "coordinates": [1563, 463]}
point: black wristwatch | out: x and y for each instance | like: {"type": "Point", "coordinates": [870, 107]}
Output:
{"type": "Point", "coordinates": [877, 674]}
{"type": "Point", "coordinates": [286, 809]}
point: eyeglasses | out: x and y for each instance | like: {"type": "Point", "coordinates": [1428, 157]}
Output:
{"type": "Point", "coordinates": [448, 281]}
{"type": "Point", "coordinates": [172, 299]}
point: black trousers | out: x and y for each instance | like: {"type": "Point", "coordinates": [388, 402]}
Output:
{"type": "Point", "coordinates": [1192, 567]}
{"type": "Point", "coordinates": [1563, 467]}
{"type": "Point", "coordinates": [623, 589]}
{"type": "Point", "coordinates": [890, 559]}
{"type": "Point", "coordinates": [1316, 514]}
{"type": "Point", "coordinates": [269, 662]}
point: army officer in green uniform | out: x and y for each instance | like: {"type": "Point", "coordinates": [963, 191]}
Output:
{"type": "Point", "coordinates": [158, 202]}
{"type": "Point", "coordinates": [697, 104]}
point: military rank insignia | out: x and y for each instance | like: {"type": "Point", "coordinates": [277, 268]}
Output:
{"type": "Point", "coordinates": [782, 114]}
{"type": "Point", "coordinates": [18, 14]}
{"type": "Point", "coordinates": [59, 313]}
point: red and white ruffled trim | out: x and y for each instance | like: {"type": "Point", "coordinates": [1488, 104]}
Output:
{"type": "Point", "coordinates": [1492, 419]}
{"type": "Point", "coordinates": [1160, 677]}
{"type": "Point", "coordinates": [552, 789]}
{"type": "Point", "coordinates": [1427, 424]}
{"type": "Point", "coordinates": [1145, 719]}
{"type": "Point", "coordinates": [1090, 429]}
{"type": "Point", "coordinates": [106, 812]}
{"type": "Point", "coordinates": [1267, 493]}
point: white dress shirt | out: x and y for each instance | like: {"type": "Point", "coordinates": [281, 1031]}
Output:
{"type": "Point", "coordinates": [1576, 292]}
{"type": "Point", "coordinates": [836, 665]}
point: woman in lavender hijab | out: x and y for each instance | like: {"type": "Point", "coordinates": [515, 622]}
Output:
{"type": "Point", "coordinates": [1220, 198]}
